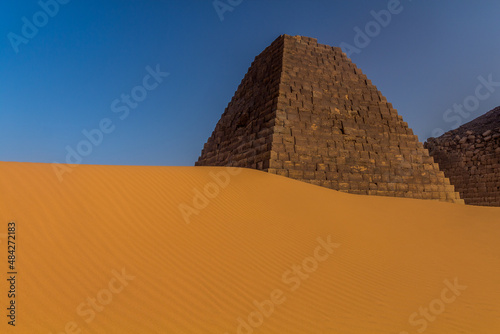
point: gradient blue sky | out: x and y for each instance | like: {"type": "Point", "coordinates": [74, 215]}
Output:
{"type": "Point", "coordinates": [65, 78]}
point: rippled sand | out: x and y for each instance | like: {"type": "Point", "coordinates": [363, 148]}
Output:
{"type": "Point", "coordinates": [125, 249]}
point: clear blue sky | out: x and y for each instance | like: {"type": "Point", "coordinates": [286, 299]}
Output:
{"type": "Point", "coordinates": [65, 78]}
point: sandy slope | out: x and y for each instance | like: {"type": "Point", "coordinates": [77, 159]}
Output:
{"type": "Point", "coordinates": [108, 251]}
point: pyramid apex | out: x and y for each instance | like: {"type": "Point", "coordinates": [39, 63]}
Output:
{"type": "Point", "coordinates": [299, 38]}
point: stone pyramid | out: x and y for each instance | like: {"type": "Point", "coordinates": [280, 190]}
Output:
{"type": "Point", "coordinates": [305, 111]}
{"type": "Point", "coordinates": [470, 157]}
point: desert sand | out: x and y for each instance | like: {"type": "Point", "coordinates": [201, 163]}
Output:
{"type": "Point", "coordinates": [126, 249]}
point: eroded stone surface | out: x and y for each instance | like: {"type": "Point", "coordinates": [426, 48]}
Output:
{"type": "Point", "coordinates": [470, 158]}
{"type": "Point", "coordinates": [305, 111]}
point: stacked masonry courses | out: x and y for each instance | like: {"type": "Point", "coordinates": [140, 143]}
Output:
{"type": "Point", "coordinates": [470, 157]}
{"type": "Point", "coordinates": [305, 111]}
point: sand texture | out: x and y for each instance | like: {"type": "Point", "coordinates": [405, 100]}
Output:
{"type": "Point", "coordinates": [127, 249]}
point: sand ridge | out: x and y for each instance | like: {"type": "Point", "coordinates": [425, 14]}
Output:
{"type": "Point", "coordinates": [109, 250]}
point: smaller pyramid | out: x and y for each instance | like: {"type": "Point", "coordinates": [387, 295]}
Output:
{"type": "Point", "coordinates": [305, 111]}
{"type": "Point", "coordinates": [470, 158]}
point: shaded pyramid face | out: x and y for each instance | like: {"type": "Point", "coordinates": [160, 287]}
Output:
{"type": "Point", "coordinates": [470, 157]}
{"type": "Point", "coordinates": [305, 111]}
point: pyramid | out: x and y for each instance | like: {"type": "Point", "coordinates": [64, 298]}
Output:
{"type": "Point", "coordinates": [305, 111]}
{"type": "Point", "coordinates": [470, 157]}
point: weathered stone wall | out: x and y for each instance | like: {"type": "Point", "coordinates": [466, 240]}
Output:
{"type": "Point", "coordinates": [333, 128]}
{"type": "Point", "coordinates": [470, 158]}
{"type": "Point", "coordinates": [243, 135]}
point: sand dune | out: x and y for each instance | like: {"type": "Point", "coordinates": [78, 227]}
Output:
{"type": "Point", "coordinates": [116, 249]}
